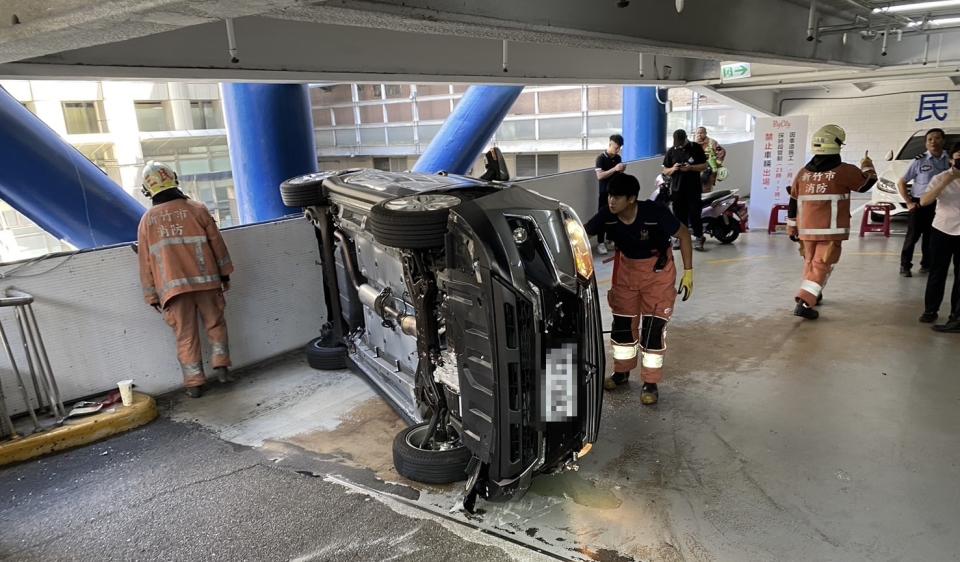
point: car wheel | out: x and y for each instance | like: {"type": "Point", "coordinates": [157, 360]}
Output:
{"type": "Point", "coordinates": [414, 222]}
{"type": "Point", "coordinates": [304, 191]}
{"type": "Point", "coordinates": [437, 463]}
{"type": "Point", "coordinates": [325, 355]}
{"type": "Point", "coordinates": [727, 233]}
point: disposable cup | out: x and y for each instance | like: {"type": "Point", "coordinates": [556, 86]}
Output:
{"type": "Point", "coordinates": [126, 392]}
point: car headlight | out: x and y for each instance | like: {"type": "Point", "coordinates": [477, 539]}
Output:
{"type": "Point", "coordinates": [580, 245]}
{"type": "Point", "coordinates": [886, 186]}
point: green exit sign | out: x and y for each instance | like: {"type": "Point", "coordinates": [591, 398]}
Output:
{"type": "Point", "coordinates": [735, 70]}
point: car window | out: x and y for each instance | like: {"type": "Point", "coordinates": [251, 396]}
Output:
{"type": "Point", "coordinates": [917, 146]}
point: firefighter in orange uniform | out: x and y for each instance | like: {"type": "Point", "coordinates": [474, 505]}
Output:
{"type": "Point", "coordinates": [819, 215]}
{"type": "Point", "coordinates": [184, 269]}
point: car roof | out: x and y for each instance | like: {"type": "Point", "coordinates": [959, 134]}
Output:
{"type": "Point", "coordinates": [947, 130]}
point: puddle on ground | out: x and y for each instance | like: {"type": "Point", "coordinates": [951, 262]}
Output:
{"type": "Point", "coordinates": [574, 487]}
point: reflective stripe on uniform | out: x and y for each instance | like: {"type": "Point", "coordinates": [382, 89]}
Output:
{"type": "Point", "coordinates": [191, 369]}
{"type": "Point", "coordinates": [652, 360]}
{"type": "Point", "coordinates": [176, 240]}
{"type": "Point", "coordinates": [219, 349]}
{"type": "Point", "coordinates": [834, 199]}
{"type": "Point", "coordinates": [623, 352]}
{"type": "Point", "coordinates": [819, 231]}
{"type": "Point", "coordinates": [223, 262]}
{"type": "Point", "coordinates": [174, 283]}
{"type": "Point", "coordinates": [813, 288]}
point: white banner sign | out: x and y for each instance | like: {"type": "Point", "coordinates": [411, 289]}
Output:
{"type": "Point", "coordinates": [779, 151]}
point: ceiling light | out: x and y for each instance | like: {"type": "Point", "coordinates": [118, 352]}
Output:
{"type": "Point", "coordinates": [917, 6]}
{"type": "Point", "coordinates": [938, 21]}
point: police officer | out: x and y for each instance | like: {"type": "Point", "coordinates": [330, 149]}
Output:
{"type": "Point", "coordinates": [927, 165]}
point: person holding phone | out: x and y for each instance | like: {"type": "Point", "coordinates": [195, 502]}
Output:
{"type": "Point", "coordinates": [683, 164]}
{"type": "Point", "coordinates": [944, 191]}
{"type": "Point", "coordinates": [608, 164]}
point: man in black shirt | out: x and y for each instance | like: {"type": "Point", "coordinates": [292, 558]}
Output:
{"type": "Point", "coordinates": [608, 164]}
{"type": "Point", "coordinates": [642, 293]}
{"type": "Point", "coordinates": [683, 164]}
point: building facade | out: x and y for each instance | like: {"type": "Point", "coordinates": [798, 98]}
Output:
{"type": "Point", "coordinates": [120, 125]}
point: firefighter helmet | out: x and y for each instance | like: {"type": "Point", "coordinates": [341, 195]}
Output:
{"type": "Point", "coordinates": [828, 140]}
{"type": "Point", "coordinates": [157, 177]}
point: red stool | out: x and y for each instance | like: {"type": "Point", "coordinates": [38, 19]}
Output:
{"type": "Point", "coordinates": [867, 225]}
{"type": "Point", "coordinates": [775, 217]}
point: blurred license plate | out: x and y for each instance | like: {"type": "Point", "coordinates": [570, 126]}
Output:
{"type": "Point", "coordinates": [559, 384]}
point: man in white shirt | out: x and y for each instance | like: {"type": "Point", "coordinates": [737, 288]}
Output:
{"type": "Point", "coordinates": [944, 190]}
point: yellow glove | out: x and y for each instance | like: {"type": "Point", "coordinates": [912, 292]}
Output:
{"type": "Point", "coordinates": [686, 284]}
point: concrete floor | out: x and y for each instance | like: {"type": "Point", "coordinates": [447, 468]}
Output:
{"type": "Point", "coordinates": [775, 439]}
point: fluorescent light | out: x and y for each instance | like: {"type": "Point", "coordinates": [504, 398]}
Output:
{"type": "Point", "coordinates": [917, 6]}
{"type": "Point", "coordinates": [938, 21]}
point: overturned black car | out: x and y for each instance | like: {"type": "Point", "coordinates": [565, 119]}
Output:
{"type": "Point", "coordinates": [472, 307]}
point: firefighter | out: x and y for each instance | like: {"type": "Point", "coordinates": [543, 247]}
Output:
{"type": "Point", "coordinates": [642, 295]}
{"type": "Point", "coordinates": [819, 215]}
{"type": "Point", "coordinates": [184, 269]}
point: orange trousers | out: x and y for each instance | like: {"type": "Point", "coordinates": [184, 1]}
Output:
{"type": "Point", "coordinates": [819, 257]}
{"type": "Point", "coordinates": [181, 313]}
{"type": "Point", "coordinates": [642, 295]}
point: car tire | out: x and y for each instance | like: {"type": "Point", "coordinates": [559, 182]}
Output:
{"type": "Point", "coordinates": [727, 233]}
{"type": "Point", "coordinates": [324, 355]}
{"type": "Point", "coordinates": [304, 191]}
{"type": "Point", "coordinates": [414, 222]}
{"type": "Point", "coordinates": [426, 465]}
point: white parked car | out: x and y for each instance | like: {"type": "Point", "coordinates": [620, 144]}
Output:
{"type": "Point", "coordinates": [886, 190]}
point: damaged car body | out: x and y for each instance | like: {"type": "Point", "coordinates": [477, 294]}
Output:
{"type": "Point", "coordinates": [471, 306]}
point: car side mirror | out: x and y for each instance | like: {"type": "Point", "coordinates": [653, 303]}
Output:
{"type": "Point", "coordinates": [889, 155]}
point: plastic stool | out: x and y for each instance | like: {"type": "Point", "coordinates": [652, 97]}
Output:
{"type": "Point", "coordinates": [866, 225]}
{"type": "Point", "coordinates": [775, 217]}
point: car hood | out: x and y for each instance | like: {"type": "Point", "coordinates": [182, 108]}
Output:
{"type": "Point", "coordinates": [895, 169]}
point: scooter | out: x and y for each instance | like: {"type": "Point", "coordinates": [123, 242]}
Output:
{"type": "Point", "coordinates": [724, 216]}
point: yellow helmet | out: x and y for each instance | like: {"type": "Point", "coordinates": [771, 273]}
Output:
{"type": "Point", "coordinates": [828, 140]}
{"type": "Point", "coordinates": [157, 177]}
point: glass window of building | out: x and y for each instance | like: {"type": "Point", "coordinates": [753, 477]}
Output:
{"type": "Point", "coordinates": [433, 110]}
{"type": "Point", "coordinates": [373, 136]}
{"type": "Point", "coordinates": [426, 133]}
{"type": "Point", "coordinates": [371, 113]}
{"type": "Point", "coordinates": [396, 91]}
{"type": "Point", "coordinates": [605, 98]}
{"type": "Point", "coordinates": [102, 155]}
{"type": "Point", "coordinates": [433, 90]}
{"type": "Point", "coordinates": [324, 138]}
{"type": "Point", "coordinates": [84, 117]}
{"type": "Point", "coordinates": [392, 164]}
{"type": "Point", "coordinates": [400, 112]}
{"type": "Point", "coordinates": [343, 116]}
{"type": "Point", "coordinates": [400, 136]}
{"type": "Point", "coordinates": [460, 88]}
{"type": "Point", "coordinates": [560, 101]}
{"type": "Point", "coordinates": [206, 114]}
{"type": "Point", "coordinates": [331, 95]}
{"type": "Point", "coordinates": [561, 128]}
{"type": "Point", "coordinates": [152, 116]}
{"type": "Point", "coordinates": [367, 92]}
{"type": "Point", "coordinates": [524, 129]}
{"type": "Point", "coordinates": [532, 165]}
{"type": "Point", "coordinates": [602, 126]}
{"type": "Point", "coordinates": [345, 137]}
{"type": "Point", "coordinates": [525, 104]}
{"type": "Point", "coordinates": [322, 117]}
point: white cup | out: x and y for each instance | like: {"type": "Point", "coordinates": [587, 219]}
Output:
{"type": "Point", "coordinates": [126, 392]}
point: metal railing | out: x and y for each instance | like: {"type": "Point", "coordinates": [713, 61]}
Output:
{"type": "Point", "coordinates": [46, 394]}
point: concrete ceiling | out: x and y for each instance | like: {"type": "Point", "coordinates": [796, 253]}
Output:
{"type": "Point", "coordinates": [547, 41]}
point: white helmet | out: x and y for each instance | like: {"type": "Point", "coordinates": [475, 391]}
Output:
{"type": "Point", "coordinates": [828, 140]}
{"type": "Point", "coordinates": [157, 177]}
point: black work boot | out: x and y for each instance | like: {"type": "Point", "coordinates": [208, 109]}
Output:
{"type": "Point", "coordinates": [195, 391]}
{"type": "Point", "coordinates": [615, 380]}
{"type": "Point", "coordinates": [649, 394]}
{"type": "Point", "coordinates": [805, 311]}
{"type": "Point", "coordinates": [905, 272]}
{"type": "Point", "coordinates": [928, 317]}
{"type": "Point", "coordinates": [952, 327]}
{"type": "Point", "coordinates": [924, 270]}
{"type": "Point", "coordinates": [223, 375]}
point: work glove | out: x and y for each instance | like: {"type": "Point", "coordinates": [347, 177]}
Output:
{"type": "Point", "coordinates": [866, 164]}
{"type": "Point", "coordinates": [686, 284]}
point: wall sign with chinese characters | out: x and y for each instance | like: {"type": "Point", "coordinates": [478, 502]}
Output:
{"type": "Point", "coordinates": [933, 106]}
{"type": "Point", "coordinates": [779, 151]}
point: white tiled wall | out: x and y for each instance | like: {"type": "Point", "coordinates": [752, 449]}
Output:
{"type": "Point", "coordinates": [878, 119]}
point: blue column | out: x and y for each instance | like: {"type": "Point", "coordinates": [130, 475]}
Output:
{"type": "Point", "coordinates": [56, 187]}
{"type": "Point", "coordinates": [270, 134]}
{"type": "Point", "coordinates": [644, 122]}
{"type": "Point", "coordinates": [468, 129]}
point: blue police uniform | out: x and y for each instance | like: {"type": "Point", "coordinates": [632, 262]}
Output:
{"type": "Point", "coordinates": [921, 171]}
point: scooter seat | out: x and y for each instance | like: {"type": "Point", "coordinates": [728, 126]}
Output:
{"type": "Point", "coordinates": [711, 197]}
